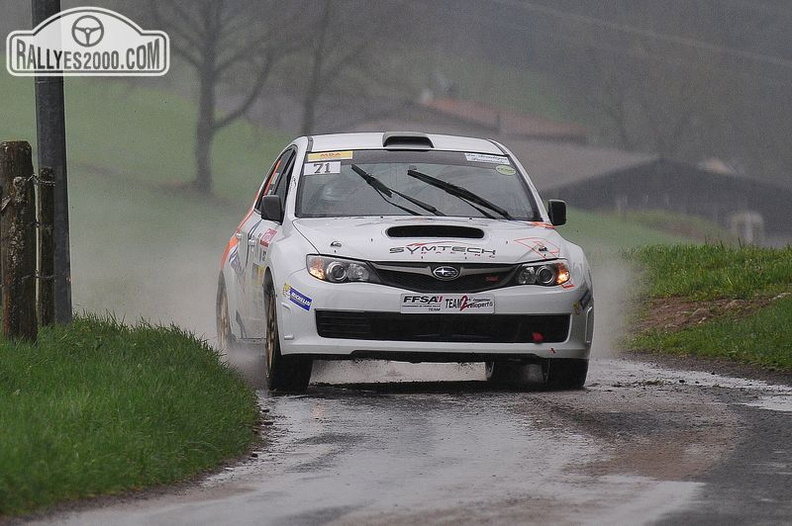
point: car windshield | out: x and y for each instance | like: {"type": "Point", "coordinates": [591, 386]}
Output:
{"type": "Point", "coordinates": [382, 183]}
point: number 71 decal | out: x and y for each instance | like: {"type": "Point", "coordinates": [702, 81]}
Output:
{"type": "Point", "coordinates": [327, 167]}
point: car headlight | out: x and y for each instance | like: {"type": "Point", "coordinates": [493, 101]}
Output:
{"type": "Point", "coordinates": [546, 274]}
{"type": "Point", "coordinates": [338, 270]}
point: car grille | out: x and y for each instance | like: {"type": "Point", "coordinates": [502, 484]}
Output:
{"type": "Point", "coordinates": [474, 328]}
{"type": "Point", "coordinates": [418, 277]}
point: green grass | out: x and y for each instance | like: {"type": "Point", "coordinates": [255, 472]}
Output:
{"type": "Point", "coordinates": [517, 90]}
{"type": "Point", "coordinates": [681, 226]}
{"type": "Point", "coordinates": [707, 272]}
{"type": "Point", "coordinates": [605, 237]}
{"type": "Point", "coordinates": [139, 243]}
{"type": "Point", "coordinates": [100, 408]}
{"type": "Point", "coordinates": [141, 135]}
{"type": "Point", "coordinates": [703, 274]}
{"type": "Point", "coordinates": [760, 339]}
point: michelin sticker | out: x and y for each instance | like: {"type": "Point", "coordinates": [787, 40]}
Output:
{"type": "Point", "coordinates": [296, 297]}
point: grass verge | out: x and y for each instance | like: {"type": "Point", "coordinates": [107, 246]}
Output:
{"type": "Point", "coordinates": [100, 408]}
{"type": "Point", "coordinates": [717, 301]}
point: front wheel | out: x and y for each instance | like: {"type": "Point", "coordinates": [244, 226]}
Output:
{"type": "Point", "coordinates": [225, 338]}
{"type": "Point", "coordinates": [565, 373]}
{"type": "Point", "coordinates": [504, 373]}
{"type": "Point", "coordinates": [283, 373]}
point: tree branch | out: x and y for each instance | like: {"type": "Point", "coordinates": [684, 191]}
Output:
{"type": "Point", "coordinates": [253, 94]}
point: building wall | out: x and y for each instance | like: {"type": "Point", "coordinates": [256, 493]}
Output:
{"type": "Point", "coordinates": [682, 188]}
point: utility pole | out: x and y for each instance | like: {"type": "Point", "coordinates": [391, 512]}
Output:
{"type": "Point", "coordinates": [51, 131]}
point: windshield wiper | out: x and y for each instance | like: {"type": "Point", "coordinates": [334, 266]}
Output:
{"type": "Point", "coordinates": [462, 193]}
{"type": "Point", "coordinates": [384, 190]}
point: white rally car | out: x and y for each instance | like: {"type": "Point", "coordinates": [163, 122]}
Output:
{"type": "Point", "coordinates": [405, 246]}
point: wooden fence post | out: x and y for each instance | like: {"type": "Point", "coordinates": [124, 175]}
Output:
{"type": "Point", "coordinates": [45, 198]}
{"type": "Point", "coordinates": [18, 239]}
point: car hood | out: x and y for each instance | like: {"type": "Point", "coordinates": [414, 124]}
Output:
{"type": "Point", "coordinates": [433, 239]}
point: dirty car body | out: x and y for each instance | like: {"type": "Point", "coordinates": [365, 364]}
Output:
{"type": "Point", "coordinates": [405, 246]}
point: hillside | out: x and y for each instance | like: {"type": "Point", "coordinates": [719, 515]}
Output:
{"type": "Point", "coordinates": [141, 246]}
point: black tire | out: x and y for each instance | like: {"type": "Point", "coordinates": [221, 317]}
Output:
{"type": "Point", "coordinates": [565, 373]}
{"type": "Point", "coordinates": [288, 374]}
{"type": "Point", "coordinates": [505, 373]}
{"type": "Point", "coordinates": [225, 338]}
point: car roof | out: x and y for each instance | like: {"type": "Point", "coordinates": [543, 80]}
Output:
{"type": "Point", "coordinates": [402, 140]}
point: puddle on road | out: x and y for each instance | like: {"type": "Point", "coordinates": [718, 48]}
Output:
{"type": "Point", "coordinates": [774, 397]}
{"type": "Point", "coordinates": [774, 403]}
{"type": "Point", "coordinates": [374, 371]}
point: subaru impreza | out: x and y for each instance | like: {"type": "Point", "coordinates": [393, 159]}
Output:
{"type": "Point", "coordinates": [405, 246]}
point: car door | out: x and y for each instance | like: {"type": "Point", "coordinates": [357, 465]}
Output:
{"type": "Point", "coordinates": [259, 238]}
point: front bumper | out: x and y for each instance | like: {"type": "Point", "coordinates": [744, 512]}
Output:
{"type": "Point", "coordinates": [363, 320]}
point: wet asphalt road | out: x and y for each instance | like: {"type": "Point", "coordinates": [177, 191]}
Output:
{"type": "Point", "coordinates": [393, 444]}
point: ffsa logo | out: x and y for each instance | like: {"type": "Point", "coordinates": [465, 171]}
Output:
{"type": "Point", "coordinates": [88, 41]}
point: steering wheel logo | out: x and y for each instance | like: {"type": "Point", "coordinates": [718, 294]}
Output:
{"type": "Point", "coordinates": [88, 31]}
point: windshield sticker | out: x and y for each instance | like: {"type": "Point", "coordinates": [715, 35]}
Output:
{"type": "Point", "coordinates": [505, 170]}
{"type": "Point", "coordinates": [484, 158]}
{"type": "Point", "coordinates": [296, 297]}
{"type": "Point", "coordinates": [329, 156]}
{"type": "Point", "coordinates": [327, 167]}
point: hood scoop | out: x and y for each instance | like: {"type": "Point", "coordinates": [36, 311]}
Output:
{"type": "Point", "coordinates": [435, 231]}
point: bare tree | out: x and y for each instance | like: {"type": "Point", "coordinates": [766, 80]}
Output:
{"type": "Point", "coordinates": [232, 42]}
{"type": "Point", "coordinates": [351, 37]}
{"type": "Point", "coordinates": [645, 93]}
{"type": "Point", "coordinates": [701, 79]}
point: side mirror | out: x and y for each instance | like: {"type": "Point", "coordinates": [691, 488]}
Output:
{"type": "Point", "coordinates": [557, 211]}
{"type": "Point", "coordinates": [271, 208]}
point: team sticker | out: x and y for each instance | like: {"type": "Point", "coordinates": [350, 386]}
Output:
{"type": "Point", "coordinates": [266, 238]}
{"type": "Point", "coordinates": [446, 303]}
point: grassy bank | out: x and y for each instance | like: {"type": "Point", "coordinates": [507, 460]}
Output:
{"type": "Point", "coordinates": [100, 408]}
{"type": "Point", "coordinates": [717, 301]}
